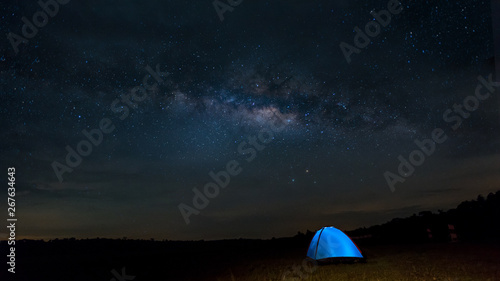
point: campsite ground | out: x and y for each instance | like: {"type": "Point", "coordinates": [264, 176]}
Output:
{"type": "Point", "coordinates": [457, 261]}
{"type": "Point", "coordinates": [246, 260]}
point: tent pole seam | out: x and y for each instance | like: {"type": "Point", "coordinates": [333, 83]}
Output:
{"type": "Point", "coordinates": [317, 243]}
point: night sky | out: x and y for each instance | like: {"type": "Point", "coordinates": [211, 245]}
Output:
{"type": "Point", "coordinates": [215, 87]}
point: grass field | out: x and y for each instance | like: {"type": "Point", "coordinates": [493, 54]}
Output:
{"type": "Point", "coordinates": [455, 261]}
{"type": "Point", "coordinates": [247, 260]}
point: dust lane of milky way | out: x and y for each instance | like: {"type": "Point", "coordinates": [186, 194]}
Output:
{"type": "Point", "coordinates": [347, 123]}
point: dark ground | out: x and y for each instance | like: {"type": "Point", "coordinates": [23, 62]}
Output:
{"type": "Point", "coordinates": [247, 260]}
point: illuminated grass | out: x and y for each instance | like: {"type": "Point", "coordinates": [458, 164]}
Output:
{"type": "Point", "coordinates": [409, 262]}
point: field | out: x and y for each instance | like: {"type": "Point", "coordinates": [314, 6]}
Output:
{"type": "Point", "coordinates": [409, 262]}
{"type": "Point", "coordinates": [246, 260]}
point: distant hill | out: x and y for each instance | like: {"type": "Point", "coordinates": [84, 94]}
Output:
{"type": "Point", "coordinates": [475, 220]}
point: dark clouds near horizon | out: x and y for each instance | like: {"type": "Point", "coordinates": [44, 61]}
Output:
{"type": "Point", "coordinates": [347, 122]}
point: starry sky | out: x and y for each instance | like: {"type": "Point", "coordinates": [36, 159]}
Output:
{"type": "Point", "coordinates": [216, 84]}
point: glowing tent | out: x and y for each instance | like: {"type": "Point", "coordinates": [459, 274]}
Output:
{"type": "Point", "coordinates": [331, 244]}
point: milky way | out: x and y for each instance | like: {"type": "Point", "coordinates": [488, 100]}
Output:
{"type": "Point", "coordinates": [223, 80]}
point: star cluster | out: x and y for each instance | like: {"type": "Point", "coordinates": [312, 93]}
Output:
{"type": "Point", "coordinates": [346, 122]}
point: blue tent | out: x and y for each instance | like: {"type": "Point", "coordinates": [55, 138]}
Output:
{"type": "Point", "coordinates": [331, 243]}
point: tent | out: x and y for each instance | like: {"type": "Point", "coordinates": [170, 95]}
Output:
{"type": "Point", "coordinates": [331, 244]}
